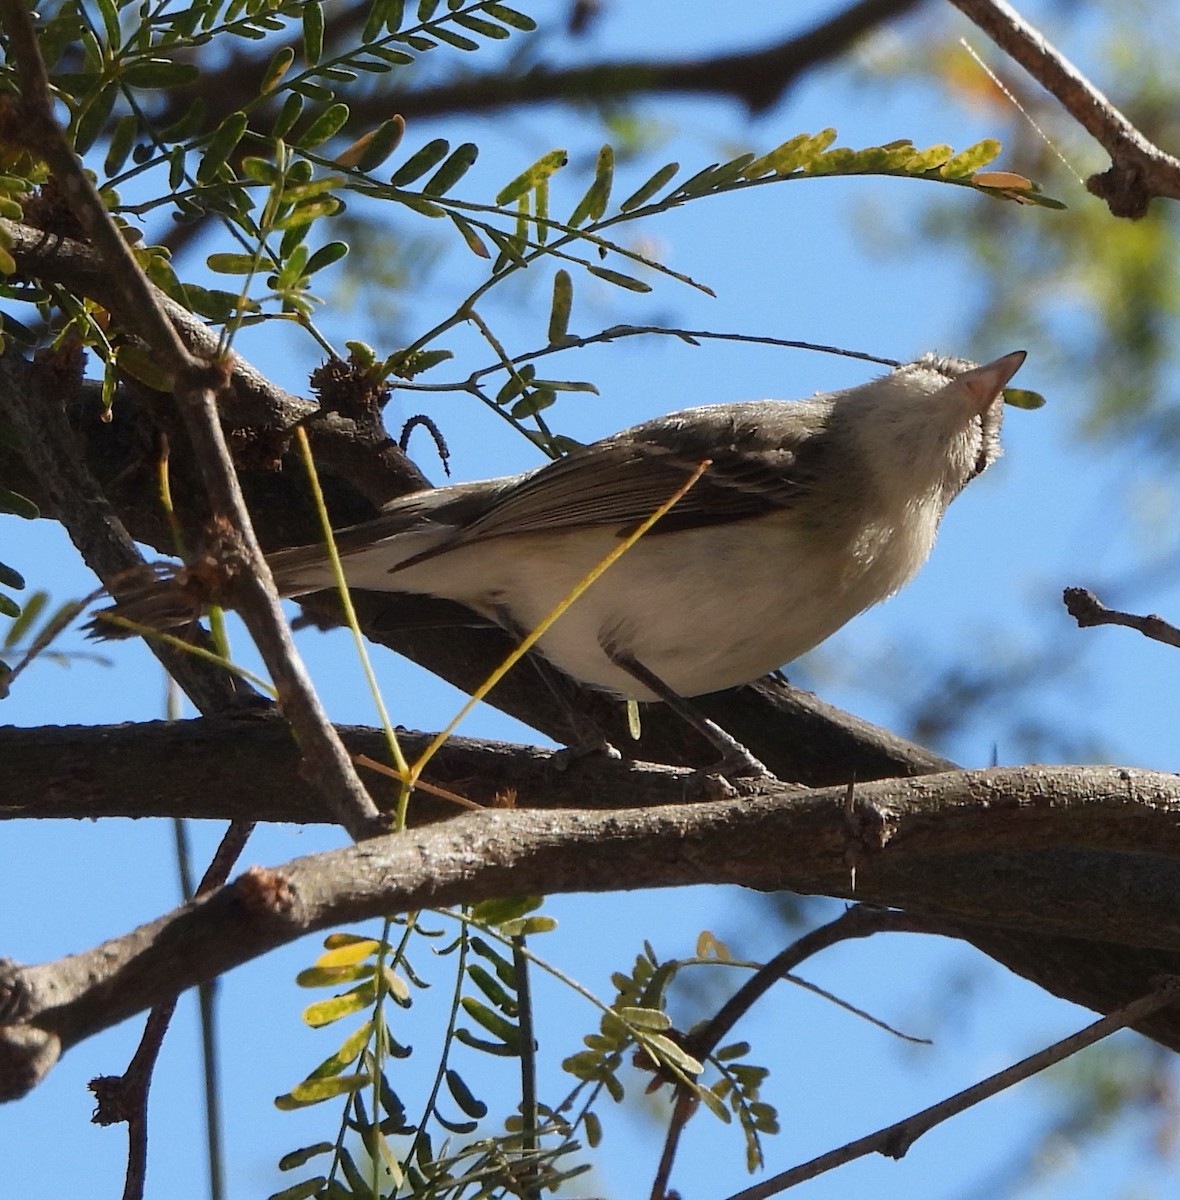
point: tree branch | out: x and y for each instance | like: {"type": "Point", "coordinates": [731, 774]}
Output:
{"type": "Point", "coordinates": [1085, 608]}
{"type": "Point", "coordinates": [894, 1140]}
{"type": "Point", "coordinates": [1018, 849]}
{"type": "Point", "coordinates": [1139, 169]}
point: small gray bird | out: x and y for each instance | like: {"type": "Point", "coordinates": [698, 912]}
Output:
{"type": "Point", "coordinates": [809, 512]}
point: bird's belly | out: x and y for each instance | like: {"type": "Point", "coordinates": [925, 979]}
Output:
{"type": "Point", "coordinates": [703, 609]}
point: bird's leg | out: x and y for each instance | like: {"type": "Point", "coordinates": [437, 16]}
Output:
{"type": "Point", "coordinates": [587, 738]}
{"type": "Point", "coordinates": [736, 760]}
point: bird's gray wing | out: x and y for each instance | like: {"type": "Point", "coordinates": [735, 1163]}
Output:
{"type": "Point", "coordinates": [756, 464]}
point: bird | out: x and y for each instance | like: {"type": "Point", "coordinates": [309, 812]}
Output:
{"type": "Point", "coordinates": [807, 512]}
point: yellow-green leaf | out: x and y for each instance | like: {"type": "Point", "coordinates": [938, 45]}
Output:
{"type": "Point", "coordinates": [528, 179]}
{"type": "Point", "coordinates": [968, 161]}
{"type": "Point", "coordinates": [316, 1091]}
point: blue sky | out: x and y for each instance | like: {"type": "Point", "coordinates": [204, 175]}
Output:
{"type": "Point", "coordinates": [794, 261]}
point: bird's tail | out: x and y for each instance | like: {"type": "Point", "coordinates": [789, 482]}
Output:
{"type": "Point", "coordinates": [158, 596]}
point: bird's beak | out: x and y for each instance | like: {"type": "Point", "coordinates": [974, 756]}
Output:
{"type": "Point", "coordinates": [984, 384]}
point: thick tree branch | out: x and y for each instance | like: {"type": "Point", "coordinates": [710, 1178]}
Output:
{"type": "Point", "coordinates": [1023, 850]}
{"type": "Point", "coordinates": [1140, 170]}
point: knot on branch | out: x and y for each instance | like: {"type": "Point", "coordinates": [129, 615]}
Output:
{"type": "Point", "coordinates": [264, 892]}
{"type": "Point", "coordinates": [353, 389]}
{"type": "Point", "coordinates": [1123, 188]}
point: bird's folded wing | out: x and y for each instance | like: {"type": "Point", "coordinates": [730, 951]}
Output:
{"type": "Point", "coordinates": [622, 481]}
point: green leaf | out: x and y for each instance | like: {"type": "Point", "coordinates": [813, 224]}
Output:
{"type": "Point", "coordinates": [420, 162]}
{"type": "Point", "coordinates": [231, 264]}
{"type": "Point", "coordinates": [381, 143]}
{"type": "Point", "coordinates": [214, 304]}
{"type": "Point", "coordinates": [929, 159]}
{"type": "Point", "coordinates": [642, 194]}
{"type": "Point", "coordinates": [221, 145]}
{"type": "Point", "coordinates": [296, 1158]}
{"type": "Point", "coordinates": [330, 253]}
{"type": "Point", "coordinates": [452, 170]}
{"type": "Point", "coordinates": [732, 1051]}
{"type": "Point", "coordinates": [1023, 398]}
{"type": "Point", "coordinates": [593, 204]}
{"type": "Point", "coordinates": [538, 924]}
{"type": "Point", "coordinates": [93, 117]}
{"type": "Point", "coordinates": [333, 976]}
{"type": "Point", "coordinates": [619, 279]}
{"type": "Point", "coordinates": [420, 205]}
{"type": "Point", "coordinates": [463, 1096]}
{"type": "Point", "coordinates": [313, 32]}
{"type": "Point", "coordinates": [668, 1051]}
{"type": "Point", "coordinates": [161, 73]}
{"type": "Point", "coordinates": [559, 311]}
{"type": "Point", "coordinates": [484, 1046]}
{"type": "Point", "coordinates": [300, 1191]}
{"type": "Point", "coordinates": [496, 1025]}
{"type": "Point", "coordinates": [488, 29]}
{"type": "Point", "coordinates": [527, 180]}
{"type": "Point", "coordinates": [18, 505]}
{"type": "Point", "coordinates": [261, 170]}
{"type": "Point", "coordinates": [444, 34]}
{"type": "Point", "coordinates": [792, 154]}
{"type": "Point", "coordinates": [121, 142]}
{"type": "Point", "coordinates": [8, 608]}
{"type": "Point", "coordinates": [494, 912]}
{"type": "Point", "coordinates": [291, 111]}
{"type": "Point", "coordinates": [326, 125]}
{"type": "Point", "coordinates": [645, 1018]}
{"type": "Point", "coordinates": [510, 16]}
{"type": "Point", "coordinates": [278, 66]}
{"type": "Point", "coordinates": [30, 611]}
{"type": "Point", "coordinates": [11, 578]}
{"type": "Point", "coordinates": [491, 987]}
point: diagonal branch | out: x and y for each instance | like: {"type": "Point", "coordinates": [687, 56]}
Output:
{"type": "Point", "coordinates": [1139, 170]}
{"type": "Point", "coordinates": [894, 1140]}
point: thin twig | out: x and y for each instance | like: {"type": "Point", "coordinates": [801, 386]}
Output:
{"type": "Point", "coordinates": [124, 1097]}
{"type": "Point", "coordinates": [894, 1140]}
{"type": "Point", "coordinates": [615, 332]}
{"type": "Point", "coordinates": [1139, 169]}
{"type": "Point", "coordinates": [860, 921]}
{"type": "Point", "coordinates": [1088, 610]}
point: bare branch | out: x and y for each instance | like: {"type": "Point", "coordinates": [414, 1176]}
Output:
{"type": "Point", "coordinates": [894, 1140]}
{"type": "Point", "coordinates": [123, 1098]}
{"type": "Point", "coordinates": [979, 851]}
{"type": "Point", "coordinates": [1139, 169]}
{"type": "Point", "coordinates": [1088, 610]}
